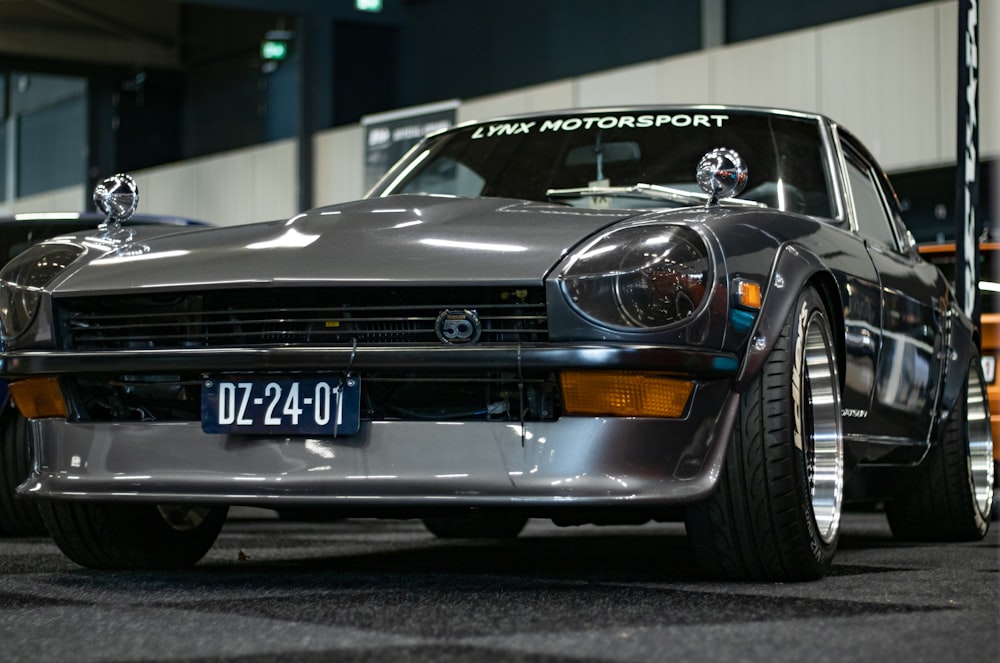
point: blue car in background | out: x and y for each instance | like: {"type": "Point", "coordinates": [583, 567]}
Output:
{"type": "Point", "coordinates": [18, 232]}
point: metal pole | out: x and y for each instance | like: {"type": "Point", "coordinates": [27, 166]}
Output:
{"type": "Point", "coordinates": [10, 156]}
{"type": "Point", "coordinates": [306, 120]}
{"type": "Point", "coordinates": [713, 23]}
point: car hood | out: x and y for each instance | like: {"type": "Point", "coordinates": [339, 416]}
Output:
{"type": "Point", "coordinates": [401, 239]}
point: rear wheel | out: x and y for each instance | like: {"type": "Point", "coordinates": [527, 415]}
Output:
{"type": "Point", "coordinates": [132, 536]}
{"type": "Point", "coordinates": [951, 496]}
{"type": "Point", "coordinates": [775, 513]}
{"type": "Point", "coordinates": [18, 517]}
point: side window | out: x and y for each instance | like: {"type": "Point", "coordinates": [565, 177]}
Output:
{"type": "Point", "coordinates": [874, 220]}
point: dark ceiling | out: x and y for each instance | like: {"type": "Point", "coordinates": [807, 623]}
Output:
{"type": "Point", "coordinates": [109, 32]}
{"type": "Point", "coordinates": [138, 34]}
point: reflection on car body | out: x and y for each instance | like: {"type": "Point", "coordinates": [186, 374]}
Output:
{"type": "Point", "coordinates": [705, 313]}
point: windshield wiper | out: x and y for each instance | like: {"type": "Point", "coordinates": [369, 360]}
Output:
{"type": "Point", "coordinates": [651, 191]}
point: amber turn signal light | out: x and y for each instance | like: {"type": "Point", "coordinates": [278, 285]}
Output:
{"type": "Point", "coordinates": [749, 294]}
{"type": "Point", "coordinates": [624, 394]}
{"type": "Point", "coordinates": [38, 397]}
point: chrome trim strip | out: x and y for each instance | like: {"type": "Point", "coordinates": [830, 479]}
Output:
{"type": "Point", "coordinates": [914, 450]}
{"type": "Point", "coordinates": [837, 165]}
{"type": "Point", "coordinates": [684, 360]}
{"type": "Point", "coordinates": [847, 196]}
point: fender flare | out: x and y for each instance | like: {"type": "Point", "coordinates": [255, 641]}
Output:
{"type": "Point", "coordinates": [794, 267]}
{"type": "Point", "coordinates": [961, 348]}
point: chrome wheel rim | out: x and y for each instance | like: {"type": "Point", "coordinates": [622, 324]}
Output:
{"type": "Point", "coordinates": [823, 441]}
{"type": "Point", "coordinates": [980, 447]}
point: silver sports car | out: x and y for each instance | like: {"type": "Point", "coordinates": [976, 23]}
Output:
{"type": "Point", "coordinates": [712, 314]}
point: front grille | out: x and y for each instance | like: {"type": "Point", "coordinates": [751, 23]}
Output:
{"type": "Point", "coordinates": [299, 317]}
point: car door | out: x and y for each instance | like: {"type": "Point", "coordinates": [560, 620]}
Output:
{"type": "Point", "coordinates": [909, 362]}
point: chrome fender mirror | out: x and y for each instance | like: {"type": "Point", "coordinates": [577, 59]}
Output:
{"type": "Point", "coordinates": [116, 197]}
{"type": "Point", "coordinates": [722, 174]}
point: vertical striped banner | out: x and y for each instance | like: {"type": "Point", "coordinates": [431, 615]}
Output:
{"type": "Point", "coordinates": [968, 222]}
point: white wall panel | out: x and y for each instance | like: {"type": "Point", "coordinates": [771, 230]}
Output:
{"type": "Point", "coordinates": [526, 100]}
{"type": "Point", "coordinates": [946, 82]}
{"type": "Point", "coordinates": [637, 84]}
{"type": "Point", "coordinates": [878, 77]}
{"type": "Point", "coordinates": [175, 189]}
{"type": "Point", "coordinates": [67, 199]}
{"type": "Point", "coordinates": [242, 186]}
{"type": "Point", "coordinates": [272, 176]}
{"type": "Point", "coordinates": [989, 82]}
{"type": "Point", "coordinates": [338, 165]}
{"type": "Point", "coordinates": [777, 72]}
{"type": "Point", "coordinates": [685, 79]}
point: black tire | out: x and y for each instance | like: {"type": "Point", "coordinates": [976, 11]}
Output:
{"type": "Point", "coordinates": [18, 517]}
{"type": "Point", "coordinates": [132, 536]}
{"type": "Point", "coordinates": [995, 512]}
{"type": "Point", "coordinates": [995, 515]}
{"type": "Point", "coordinates": [476, 526]}
{"type": "Point", "coordinates": [775, 512]}
{"type": "Point", "coordinates": [950, 495]}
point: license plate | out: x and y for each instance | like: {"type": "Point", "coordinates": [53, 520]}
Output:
{"type": "Point", "coordinates": [989, 368]}
{"type": "Point", "coordinates": [309, 406]}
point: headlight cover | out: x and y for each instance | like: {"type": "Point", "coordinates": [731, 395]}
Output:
{"type": "Point", "coordinates": [23, 279]}
{"type": "Point", "coordinates": [639, 277]}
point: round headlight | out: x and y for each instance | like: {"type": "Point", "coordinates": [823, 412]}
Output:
{"type": "Point", "coordinates": [640, 276]}
{"type": "Point", "coordinates": [22, 281]}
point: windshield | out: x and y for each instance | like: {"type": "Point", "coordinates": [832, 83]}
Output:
{"type": "Point", "coordinates": [585, 159]}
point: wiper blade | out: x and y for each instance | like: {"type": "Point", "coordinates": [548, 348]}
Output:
{"type": "Point", "coordinates": [651, 191]}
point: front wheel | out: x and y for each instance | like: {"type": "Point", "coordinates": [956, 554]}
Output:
{"type": "Point", "coordinates": [775, 512]}
{"type": "Point", "coordinates": [951, 494]}
{"type": "Point", "coordinates": [132, 536]}
{"type": "Point", "coordinates": [18, 517]}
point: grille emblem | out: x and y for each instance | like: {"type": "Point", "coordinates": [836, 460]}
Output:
{"type": "Point", "coordinates": [458, 326]}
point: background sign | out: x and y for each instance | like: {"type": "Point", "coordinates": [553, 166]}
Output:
{"type": "Point", "coordinates": [389, 135]}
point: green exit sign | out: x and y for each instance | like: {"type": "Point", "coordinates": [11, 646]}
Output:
{"type": "Point", "coordinates": [273, 50]}
{"type": "Point", "coordinates": [368, 5]}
